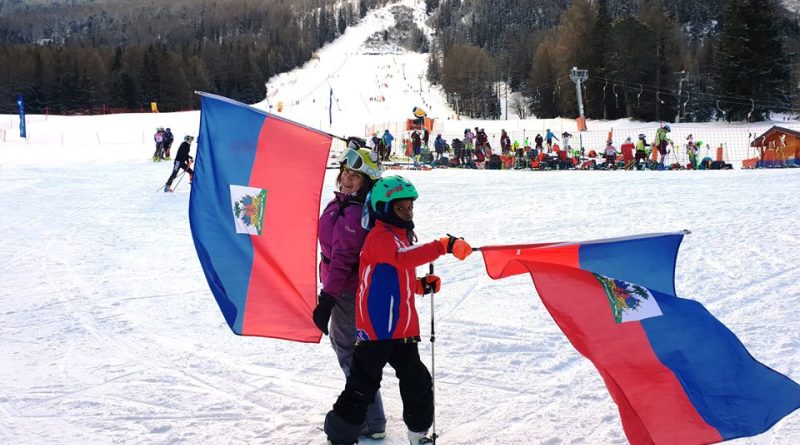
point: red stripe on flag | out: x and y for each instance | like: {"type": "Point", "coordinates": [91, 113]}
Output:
{"type": "Point", "coordinates": [290, 165]}
{"type": "Point", "coordinates": [505, 261]}
{"type": "Point", "coordinates": [652, 403]}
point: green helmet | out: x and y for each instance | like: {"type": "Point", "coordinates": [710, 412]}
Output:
{"type": "Point", "coordinates": [389, 189]}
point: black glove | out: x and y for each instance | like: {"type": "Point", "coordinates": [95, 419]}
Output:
{"type": "Point", "coordinates": [322, 313]}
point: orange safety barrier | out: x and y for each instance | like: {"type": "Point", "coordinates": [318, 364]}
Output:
{"type": "Point", "coordinates": [750, 163]}
{"type": "Point", "coordinates": [720, 152]}
{"type": "Point", "coordinates": [412, 125]}
{"type": "Point", "coordinates": [581, 121]}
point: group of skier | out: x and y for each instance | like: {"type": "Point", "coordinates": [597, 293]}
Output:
{"type": "Point", "coordinates": [183, 160]}
{"type": "Point", "coordinates": [163, 139]}
{"type": "Point", "coordinates": [368, 273]}
{"type": "Point", "coordinates": [545, 153]}
{"type": "Point", "coordinates": [382, 145]}
{"type": "Point", "coordinates": [641, 155]}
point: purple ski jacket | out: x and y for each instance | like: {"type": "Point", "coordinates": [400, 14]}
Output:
{"type": "Point", "coordinates": [340, 239]}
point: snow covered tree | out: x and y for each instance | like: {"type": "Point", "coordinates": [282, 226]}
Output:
{"type": "Point", "coordinates": [434, 74]}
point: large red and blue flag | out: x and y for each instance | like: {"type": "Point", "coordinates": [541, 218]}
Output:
{"type": "Point", "coordinates": [677, 375]}
{"type": "Point", "coordinates": [253, 211]}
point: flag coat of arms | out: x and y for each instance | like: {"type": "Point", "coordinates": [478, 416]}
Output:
{"type": "Point", "coordinates": [253, 212]}
{"type": "Point", "coordinates": [677, 375]}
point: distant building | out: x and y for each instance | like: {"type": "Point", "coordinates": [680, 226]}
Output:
{"type": "Point", "coordinates": [777, 147]}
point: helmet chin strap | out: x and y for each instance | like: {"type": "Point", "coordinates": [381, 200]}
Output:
{"type": "Point", "coordinates": [388, 216]}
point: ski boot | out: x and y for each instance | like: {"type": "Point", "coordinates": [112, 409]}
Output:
{"type": "Point", "coordinates": [369, 433]}
{"type": "Point", "coordinates": [167, 189]}
{"type": "Point", "coordinates": [420, 438]}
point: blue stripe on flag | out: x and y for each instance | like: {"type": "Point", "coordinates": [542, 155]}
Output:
{"type": "Point", "coordinates": [647, 261]}
{"type": "Point", "coordinates": [732, 391]}
{"type": "Point", "coordinates": [226, 151]}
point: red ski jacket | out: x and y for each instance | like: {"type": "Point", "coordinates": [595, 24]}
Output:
{"type": "Point", "coordinates": [385, 307]}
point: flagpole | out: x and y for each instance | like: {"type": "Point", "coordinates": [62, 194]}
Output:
{"type": "Point", "coordinates": [684, 232]}
{"type": "Point", "coordinates": [281, 118]}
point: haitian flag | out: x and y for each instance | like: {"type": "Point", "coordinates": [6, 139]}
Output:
{"type": "Point", "coordinates": [253, 212]}
{"type": "Point", "coordinates": [677, 375]}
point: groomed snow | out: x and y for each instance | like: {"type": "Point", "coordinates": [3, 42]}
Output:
{"type": "Point", "coordinates": [109, 334]}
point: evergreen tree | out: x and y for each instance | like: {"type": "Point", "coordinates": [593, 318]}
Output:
{"type": "Point", "coordinates": [574, 48]}
{"type": "Point", "coordinates": [750, 61]}
{"type": "Point", "coordinates": [627, 60]}
{"type": "Point", "coordinates": [665, 58]}
{"type": "Point", "coordinates": [430, 6]}
{"type": "Point", "coordinates": [543, 78]}
{"type": "Point", "coordinates": [434, 74]}
{"type": "Point", "coordinates": [467, 71]}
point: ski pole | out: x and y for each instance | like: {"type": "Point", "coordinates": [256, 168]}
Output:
{"type": "Point", "coordinates": [176, 185]}
{"type": "Point", "coordinates": [179, 181]}
{"type": "Point", "coordinates": [433, 362]}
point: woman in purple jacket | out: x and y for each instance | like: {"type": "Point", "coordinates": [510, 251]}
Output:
{"type": "Point", "coordinates": [340, 239]}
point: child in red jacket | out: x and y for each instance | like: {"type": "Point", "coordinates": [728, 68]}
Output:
{"type": "Point", "coordinates": [387, 326]}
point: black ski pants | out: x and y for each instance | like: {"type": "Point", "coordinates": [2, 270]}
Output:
{"type": "Point", "coordinates": [369, 359]}
{"type": "Point", "coordinates": [176, 167]}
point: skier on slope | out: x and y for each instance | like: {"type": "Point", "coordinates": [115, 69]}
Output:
{"type": "Point", "coordinates": [341, 236]}
{"type": "Point", "coordinates": [387, 142]}
{"type": "Point", "coordinates": [168, 139]}
{"type": "Point", "coordinates": [387, 324]}
{"type": "Point", "coordinates": [158, 138]}
{"type": "Point", "coordinates": [182, 162]}
{"type": "Point", "coordinates": [662, 141]}
{"type": "Point", "coordinates": [505, 142]}
{"type": "Point", "coordinates": [539, 140]}
{"type": "Point", "coordinates": [642, 152]}
{"type": "Point", "coordinates": [691, 150]}
{"type": "Point", "coordinates": [549, 136]}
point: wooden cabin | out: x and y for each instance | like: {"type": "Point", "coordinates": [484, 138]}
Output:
{"type": "Point", "coordinates": [777, 147]}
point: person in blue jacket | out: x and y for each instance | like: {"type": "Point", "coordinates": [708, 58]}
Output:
{"type": "Point", "coordinates": [548, 137]}
{"type": "Point", "coordinates": [439, 145]}
{"type": "Point", "coordinates": [387, 141]}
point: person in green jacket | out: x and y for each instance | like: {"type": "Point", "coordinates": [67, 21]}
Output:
{"type": "Point", "coordinates": [661, 142]}
{"type": "Point", "coordinates": [642, 152]}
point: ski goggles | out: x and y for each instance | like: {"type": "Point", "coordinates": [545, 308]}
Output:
{"type": "Point", "coordinates": [352, 159]}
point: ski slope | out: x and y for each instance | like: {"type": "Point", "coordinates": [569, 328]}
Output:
{"type": "Point", "coordinates": [109, 333]}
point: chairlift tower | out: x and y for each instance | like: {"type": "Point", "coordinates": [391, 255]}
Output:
{"type": "Point", "coordinates": [579, 76]}
{"type": "Point", "coordinates": [683, 78]}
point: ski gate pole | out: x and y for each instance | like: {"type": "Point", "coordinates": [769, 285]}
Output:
{"type": "Point", "coordinates": [433, 362]}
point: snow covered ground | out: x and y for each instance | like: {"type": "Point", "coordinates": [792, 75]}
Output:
{"type": "Point", "coordinates": [109, 334]}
